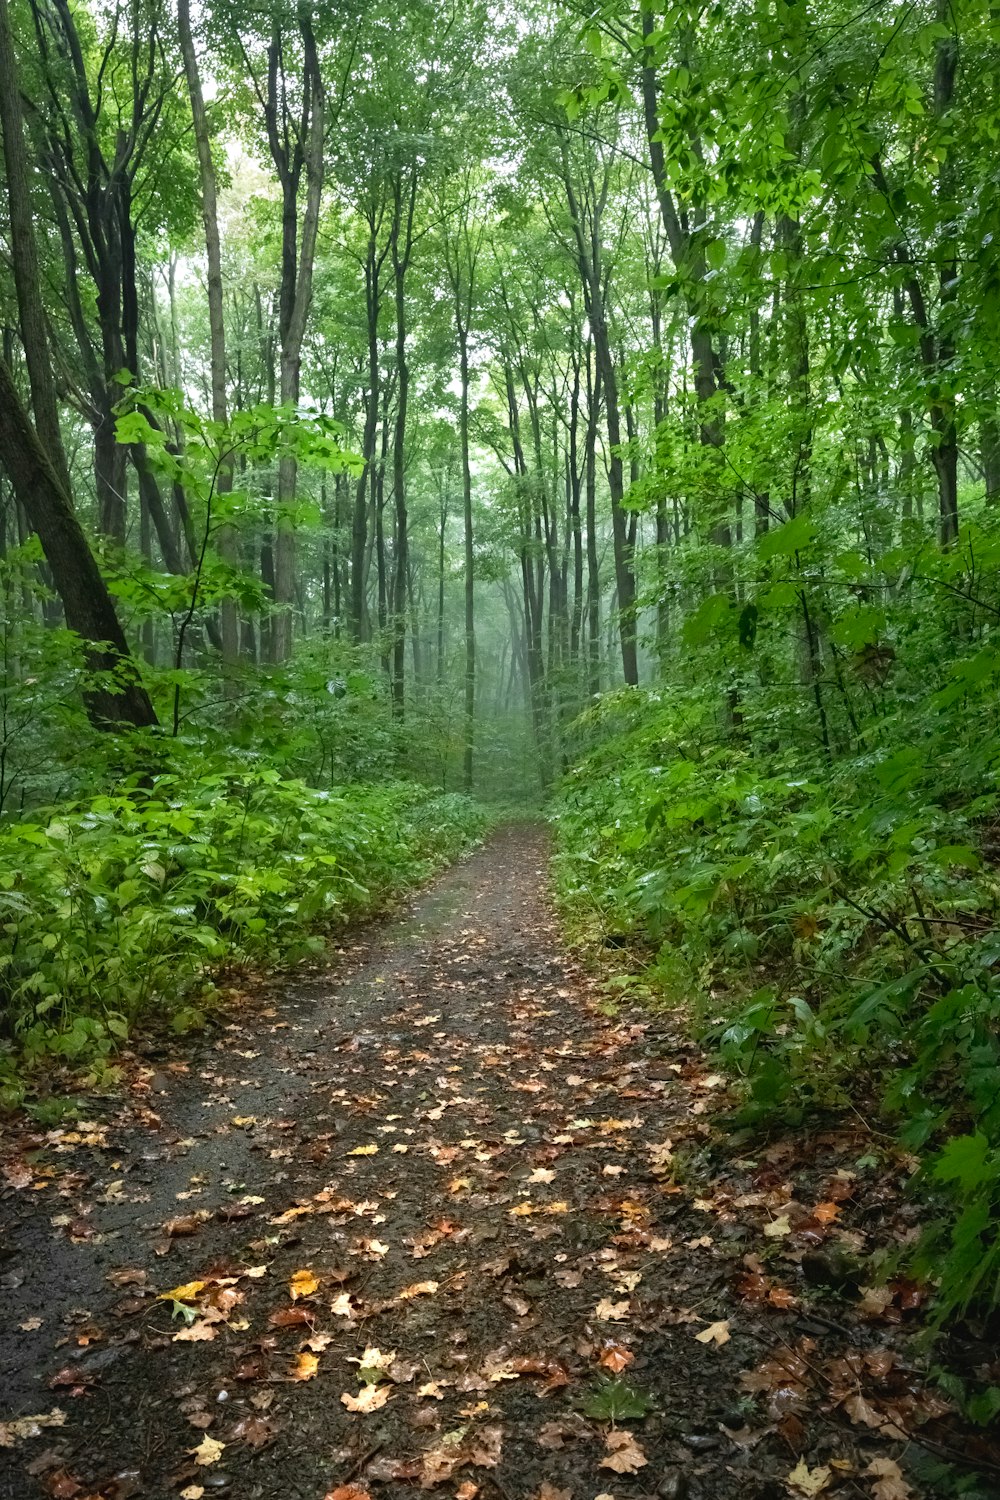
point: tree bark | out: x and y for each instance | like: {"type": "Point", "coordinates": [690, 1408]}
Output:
{"type": "Point", "coordinates": [115, 697]}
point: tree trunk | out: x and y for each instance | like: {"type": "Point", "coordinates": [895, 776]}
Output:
{"type": "Point", "coordinates": [115, 697]}
{"type": "Point", "coordinates": [227, 541]}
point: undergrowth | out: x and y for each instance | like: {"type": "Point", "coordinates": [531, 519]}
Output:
{"type": "Point", "coordinates": [132, 904]}
{"type": "Point", "coordinates": [828, 923]}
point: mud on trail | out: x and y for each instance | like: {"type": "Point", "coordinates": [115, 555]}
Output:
{"type": "Point", "coordinates": [431, 1221]}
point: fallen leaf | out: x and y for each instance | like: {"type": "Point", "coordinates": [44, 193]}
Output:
{"type": "Point", "coordinates": [290, 1317]}
{"type": "Point", "coordinates": [615, 1357]}
{"type": "Point", "coordinates": [611, 1312]}
{"type": "Point", "coordinates": [549, 1492]}
{"type": "Point", "coordinates": [208, 1451]}
{"type": "Point", "coordinates": [186, 1293]}
{"type": "Point", "coordinates": [348, 1492]}
{"type": "Point", "coordinates": [371, 1150]}
{"type": "Point", "coordinates": [715, 1333]}
{"type": "Point", "coordinates": [369, 1398]}
{"type": "Point", "coordinates": [806, 1481]}
{"type": "Point", "coordinates": [190, 1224]}
{"type": "Point", "coordinates": [192, 1492]}
{"type": "Point", "coordinates": [542, 1174]}
{"type": "Point", "coordinates": [778, 1228]}
{"type": "Point", "coordinates": [889, 1482]}
{"type": "Point", "coordinates": [418, 1289]}
{"type": "Point", "coordinates": [624, 1455]}
{"type": "Point", "coordinates": [305, 1366]}
{"type": "Point", "coordinates": [29, 1427]}
{"type": "Point", "coordinates": [303, 1284]}
{"type": "Point", "coordinates": [200, 1332]}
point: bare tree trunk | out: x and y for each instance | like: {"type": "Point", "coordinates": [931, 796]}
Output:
{"type": "Point", "coordinates": [227, 541]}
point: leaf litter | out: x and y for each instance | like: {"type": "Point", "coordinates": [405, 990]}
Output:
{"type": "Point", "coordinates": [459, 1228]}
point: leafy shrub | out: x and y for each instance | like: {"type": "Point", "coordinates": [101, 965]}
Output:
{"type": "Point", "coordinates": [833, 923]}
{"type": "Point", "coordinates": [128, 903]}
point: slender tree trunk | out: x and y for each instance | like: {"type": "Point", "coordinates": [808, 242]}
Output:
{"type": "Point", "coordinates": [227, 541]}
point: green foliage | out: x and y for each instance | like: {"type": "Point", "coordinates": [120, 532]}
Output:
{"type": "Point", "coordinates": [134, 903]}
{"type": "Point", "coordinates": [826, 908]}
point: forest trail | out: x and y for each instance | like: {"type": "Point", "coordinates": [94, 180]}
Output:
{"type": "Point", "coordinates": [423, 1221]}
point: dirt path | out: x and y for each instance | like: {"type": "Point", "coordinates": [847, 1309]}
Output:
{"type": "Point", "coordinates": [433, 1219]}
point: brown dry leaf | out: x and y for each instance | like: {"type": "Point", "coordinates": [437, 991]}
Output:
{"type": "Point", "coordinates": [542, 1174]}
{"type": "Point", "coordinates": [208, 1451]}
{"type": "Point", "coordinates": [348, 1492]}
{"type": "Point", "coordinates": [611, 1312]}
{"type": "Point", "coordinates": [306, 1366]}
{"type": "Point", "coordinates": [192, 1492]}
{"type": "Point", "coordinates": [201, 1331]}
{"type": "Point", "coordinates": [370, 1398]}
{"type": "Point", "coordinates": [467, 1490]}
{"type": "Point", "coordinates": [30, 1324]}
{"type": "Point", "coordinates": [549, 1492]}
{"type": "Point", "coordinates": [615, 1357]}
{"type": "Point", "coordinates": [290, 1317]}
{"type": "Point", "coordinates": [189, 1224]}
{"type": "Point", "coordinates": [291, 1214]}
{"type": "Point", "coordinates": [624, 1455]}
{"type": "Point", "coordinates": [805, 1481]}
{"type": "Point", "coordinates": [303, 1284]}
{"type": "Point", "coordinates": [715, 1333]}
{"type": "Point", "coordinates": [889, 1482]}
{"type": "Point", "coordinates": [418, 1289]}
{"type": "Point", "coordinates": [484, 1447]}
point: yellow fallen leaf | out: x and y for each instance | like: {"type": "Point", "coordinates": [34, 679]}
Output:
{"type": "Point", "coordinates": [562, 1207]}
{"type": "Point", "coordinates": [806, 1481]}
{"type": "Point", "coordinates": [303, 1284]}
{"type": "Point", "coordinates": [208, 1451]}
{"type": "Point", "coordinates": [186, 1293]}
{"type": "Point", "coordinates": [305, 1367]}
{"type": "Point", "coordinates": [715, 1333]}
{"type": "Point", "coordinates": [522, 1210]}
{"type": "Point", "coordinates": [371, 1150]}
{"type": "Point", "coordinates": [193, 1492]}
{"type": "Point", "coordinates": [369, 1399]}
{"type": "Point", "coordinates": [254, 1272]}
{"type": "Point", "coordinates": [778, 1228]}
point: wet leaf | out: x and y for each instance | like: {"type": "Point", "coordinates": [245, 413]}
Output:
{"type": "Point", "coordinates": [303, 1284]}
{"type": "Point", "coordinates": [305, 1367]}
{"type": "Point", "coordinates": [805, 1481]}
{"type": "Point", "coordinates": [370, 1398]}
{"type": "Point", "coordinates": [208, 1451]}
{"type": "Point", "coordinates": [715, 1333]}
{"type": "Point", "coordinates": [624, 1455]}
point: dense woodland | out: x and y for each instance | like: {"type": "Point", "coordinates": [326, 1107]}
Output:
{"type": "Point", "coordinates": [591, 407]}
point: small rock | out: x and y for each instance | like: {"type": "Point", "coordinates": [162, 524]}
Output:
{"type": "Point", "coordinates": [700, 1442]}
{"type": "Point", "coordinates": [674, 1486]}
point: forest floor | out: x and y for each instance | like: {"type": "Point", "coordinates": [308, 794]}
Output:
{"type": "Point", "coordinates": [432, 1220]}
